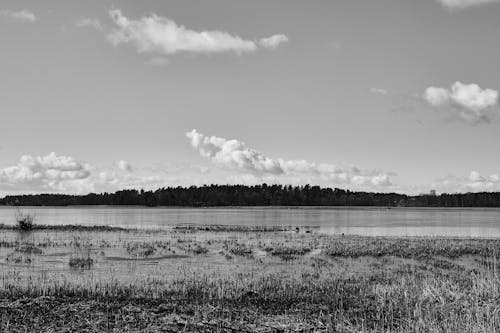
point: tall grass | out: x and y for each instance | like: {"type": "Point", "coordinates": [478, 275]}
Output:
{"type": "Point", "coordinates": [356, 284]}
{"type": "Point", "coordinates": [25, 221]}
{"type": "Point", "coordinates": [376, 303]}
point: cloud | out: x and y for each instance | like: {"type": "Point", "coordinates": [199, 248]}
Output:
{"type": "Point", "coordinates": [471, 101]}
{"type": "Point", "coordinates": [21, 16]}
{"type": "Point", "coordinates": [156, 34]}
{"type": "Point", "coordinates": [379, 91]}
{"type": "Point", "coordinates": [46, 173]}
{"type": "Point", "coordinates": [474, 182]}
{"type": "Point", "coordinates": [235, 155]}
{"type": "Point", "coordinates": [54, 173]}
{"type": "Point", "coordinates": [274, 41]}
{"type": "Point", "coordinates": [461, 4]}
{"type": "Point", "coordinates": [124, 166]}
{"type": "Point", "coordinates": [89, 23]}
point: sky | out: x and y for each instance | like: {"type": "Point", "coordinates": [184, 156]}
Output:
{"type": "Point", "coordinates": [387, 95]}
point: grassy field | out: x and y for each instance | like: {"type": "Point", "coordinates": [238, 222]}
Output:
{"type": "Point", "coordinates": [233, 279]}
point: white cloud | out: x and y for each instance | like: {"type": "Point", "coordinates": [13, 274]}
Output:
{"type": "Point", "coordinates": [21, 16]}
{"type": "Point", "coordinates": [45, 173]}
{"type": "Point", "coordinates": [475, 182]}
{"type": "Point", "coordinates": [124, 166]}
{"type": "Point", "coordinates": [379, 91]}
{"type": "Point", "coordinates": [437, 96]}
{"type": "Point", "coordinates": [234, 154]}
{"type": "Point", "coordinates": [471, 101]}
{"type": "Point", "coordinates": [64, 174]}
{"type": "Point", "coordinates": [156, 34]}
{"type": "Point", "coordinates": [274, 41]}
{"type": "Point", "coordinates": [90, 23]}
{"type": "Point", "coordinates": [475, 176]}
{"type": "Point", "coordinates": [461, 4]}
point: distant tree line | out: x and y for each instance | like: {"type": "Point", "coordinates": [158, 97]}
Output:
{"type": "Point", "coordinates": [258, 195]}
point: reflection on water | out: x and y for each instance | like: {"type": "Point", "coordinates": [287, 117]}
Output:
{"type": "Point", "coordinates": [472, 222]}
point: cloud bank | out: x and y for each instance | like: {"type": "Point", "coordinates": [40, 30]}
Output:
{"type": "Point", "coordinates": [21, 16]}
{"type": "Point", "coordinates": [161, 35]}
{"type": "Point", "coordinates": [45, 173]}
{"type": "Point", "coordinates": [470, 101]}
{"type": "Point", "coordinates": [474, 182]}
{"type": "Point", "coordinates": [461, 4]}
{"type": "Point", "coordinates": [55, 173]}
{"type": "Point", "coordinates": [235, 155]}
{"type": "Point", "coordinates": [237, 163]}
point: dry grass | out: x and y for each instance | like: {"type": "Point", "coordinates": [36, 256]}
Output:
{"type": "Point", "coordinates": [354, 284]}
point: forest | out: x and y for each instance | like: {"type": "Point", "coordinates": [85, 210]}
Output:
{"type": "Point", "coordinates": [258, 195]}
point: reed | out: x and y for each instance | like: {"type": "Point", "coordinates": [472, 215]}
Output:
{"type": "Point", "coordinates": [354, 284]}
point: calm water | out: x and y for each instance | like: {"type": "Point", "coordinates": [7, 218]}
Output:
{"type": "Point", "coordinates": [361, 221]}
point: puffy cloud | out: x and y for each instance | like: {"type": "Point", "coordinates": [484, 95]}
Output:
{"type": "Point", "coordinates": [64, 174]}
{"type": "Point", "coordinates": [475, 182]}
{"type": "Point", "coordinates": [124, 166]}
{"type": "Point", "coordinates": [156, 34]}
{"type": "Point", "coordinates": [461, 4]}
{"type": "Point", "coordinates": [476, 177]}
{"type": "Point", "coordinates": [437, 96]}
{"type": "Point", "coordinates": [21, 16]}
{"type": "Point", "coordinates": [90, 23]}
{"type": "Point", "coordinates": [274, 41]}
{"type": "Point", "coordinates": [234, 154]}
{"type": "Point", "coordinates": [46, 173]}
{"type": "Point", "coordinates": [471, 101]}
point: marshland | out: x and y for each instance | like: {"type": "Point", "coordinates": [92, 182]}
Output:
{"type": "Point", "coordinates": [237, 278]}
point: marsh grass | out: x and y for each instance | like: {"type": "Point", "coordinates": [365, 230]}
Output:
{"type": "Point", "coordinates": [240, 249]}
{"type": "Point", "coordinates": [409, 247]}
{"type": "Point", "coordinates": [82, 253]}
{"type": "Point", "coordinates": [81, 262]}
{"type": "Point", "coordinates": [29, 248]}
{"type": "Point", "coordinates": [25, 221]}
{"type": "Point", "coordinates": [199, 249]}
{"type": "Point", "coordinates": [236, 228]}
{"type": "Point", "coordinates": [142, 249]}
{"type": "Point", "coordinates": [68, 227]}
{"type": "Point", "coordinates": [289, 252]}
{"type": "Point", "coordinates": [18, 258]}
{"type": "Point", "coordinates": [355, 284]}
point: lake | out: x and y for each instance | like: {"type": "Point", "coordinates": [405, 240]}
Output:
{"type": "Point", "coordinates": [369, 221]}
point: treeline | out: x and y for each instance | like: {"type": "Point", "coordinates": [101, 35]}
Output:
{"type": "Point", "coordinates": [259, 195]}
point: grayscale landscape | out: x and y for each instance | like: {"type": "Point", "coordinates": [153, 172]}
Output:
{"type": "Point", "coordinates": [249, 166]}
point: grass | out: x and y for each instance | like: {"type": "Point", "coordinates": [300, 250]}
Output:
{"type": "Point", "coordinates": [81, 262]}
{"type": "Point", "coordinates": [238, 228]}
{"type": "Point", "coordinates": [287, 252]}
{"type": "Point", "coordinates": [141, 249]}
{"type": "Point", "coordinates": [66, 227]}
{"type": "Point", "coordinates": [25, 221]}
{"type": "Point", "coordinates": [298, 283]}
{"type": "Point", "coordinates": [420, 247]}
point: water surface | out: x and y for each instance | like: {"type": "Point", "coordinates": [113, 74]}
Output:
{"type": "Point", "coordinates": [473, 222]}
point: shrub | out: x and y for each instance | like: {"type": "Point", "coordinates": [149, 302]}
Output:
{"type": "Point", "coordinates": [199, 250]}
{"type": "Point", "coordinates": [81, 263]}
{"type": "Point", "coordinates": [24, 221]}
